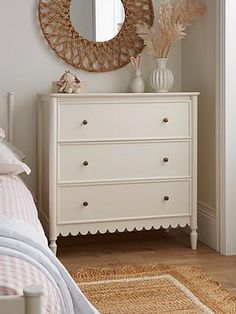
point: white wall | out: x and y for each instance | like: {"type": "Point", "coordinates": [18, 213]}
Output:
{"type": "Point", "coordinates": [28, 66]}
{"type": "Point", "coordinates": [105, 19]}
{"type": "Point", "coordinates": [199, 73]}
{"type": "Point", "coordinates": [229, 211]}
{"type": "Point", "coordinates": [82, 17]}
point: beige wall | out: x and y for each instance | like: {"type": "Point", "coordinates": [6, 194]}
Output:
{"type": "Point", "coordinates": [28, 66]}
{"type": "Point", "coordinates": [199, 73]}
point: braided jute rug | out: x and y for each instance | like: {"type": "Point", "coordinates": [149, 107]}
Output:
{"type": "Point", "coordinates": [154, 289]}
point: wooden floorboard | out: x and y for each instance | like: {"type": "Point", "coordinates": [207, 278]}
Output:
{"type": "Point", "coordinates": [146, 247]}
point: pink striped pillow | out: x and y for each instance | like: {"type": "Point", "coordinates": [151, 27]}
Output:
{"type": "Point", "coordinates": [9, 163]}
{"type": "Point", "coordinates": [2, 134]}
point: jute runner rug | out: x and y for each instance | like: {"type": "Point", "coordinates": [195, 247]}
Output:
{"type": "Point", "coordinates": [154, 289]}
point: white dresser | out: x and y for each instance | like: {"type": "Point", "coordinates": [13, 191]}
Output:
{"type": "Point", "coordinates": [109, 162]}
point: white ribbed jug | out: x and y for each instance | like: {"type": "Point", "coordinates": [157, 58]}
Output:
{"type": "Point", "coordinates": [161, 79]}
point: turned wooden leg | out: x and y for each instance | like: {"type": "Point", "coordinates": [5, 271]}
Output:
{"type": "Point", "coordinates": [193, 238]}
{"type": "Point", "coordinates": [53, 245]}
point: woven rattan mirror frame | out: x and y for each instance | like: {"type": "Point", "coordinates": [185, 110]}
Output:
{"type": "Point", "coordinates": [68, 44]}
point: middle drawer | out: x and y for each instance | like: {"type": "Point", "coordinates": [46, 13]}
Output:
{"type": "Point", "coordinates": [122, 161]}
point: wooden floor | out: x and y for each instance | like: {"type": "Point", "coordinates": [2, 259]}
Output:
{"type": "Point", "coordinates": [117, 250]}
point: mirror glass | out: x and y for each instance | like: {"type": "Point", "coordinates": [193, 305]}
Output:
{"type": "Point", "coordinates": [97, 20]}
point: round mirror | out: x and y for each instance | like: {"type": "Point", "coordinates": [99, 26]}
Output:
{"type": "Point", "coordinates": [97, 20]}
{"type": "Point", "coordinates": [95, 48]}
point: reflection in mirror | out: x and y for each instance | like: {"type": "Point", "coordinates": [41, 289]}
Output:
{"type": "Point", "coordinates": [97, 20]}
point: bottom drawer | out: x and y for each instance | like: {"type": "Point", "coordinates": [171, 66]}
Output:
{"type": "Point", "coordinates": [80, 204]}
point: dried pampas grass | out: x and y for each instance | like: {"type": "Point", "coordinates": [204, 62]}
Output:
{"type": "Point", "coordinates": [172, 19]}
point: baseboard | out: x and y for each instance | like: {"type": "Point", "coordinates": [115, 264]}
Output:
{"type": "Point", "coordinates": [207, 228]}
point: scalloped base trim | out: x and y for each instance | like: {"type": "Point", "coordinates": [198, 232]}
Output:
{"type": "Point", "coordinates": [122, 226]}
{"type": "Point", "coordinates": [120, 230]}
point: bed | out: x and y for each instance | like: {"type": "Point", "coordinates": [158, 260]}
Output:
{"type": "Point", "coordinates": [32, 279]}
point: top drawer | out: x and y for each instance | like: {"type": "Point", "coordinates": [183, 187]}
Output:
{"type": "Point", "coordinates": [123, 121]}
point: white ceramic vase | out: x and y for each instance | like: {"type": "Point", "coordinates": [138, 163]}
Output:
{"type": "Point", "coordinates": [137, 85]}
{"type": "Point", "coordinates": [161, 79]}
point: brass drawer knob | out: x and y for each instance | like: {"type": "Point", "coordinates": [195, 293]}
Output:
{"type": "Point", "coordinates": [165, 120]}
{"type": "Point", "coordinates": [85, 122]}
{"type": "Point", "coordinates": [166, 159]}
{"type": "Point", "coordinates": [166, 198]}
{"type": "Point", "coordinates": [85, 204]}
{"type": "Point", "coordinates": [85, 163]}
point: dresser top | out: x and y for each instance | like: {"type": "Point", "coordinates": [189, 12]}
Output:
{"type": "Point", "coordinates": [119, 95]}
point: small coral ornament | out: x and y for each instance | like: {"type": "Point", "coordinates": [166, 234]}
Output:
{"type": "Point", "coordinates": [137, 85]}
{"type": "Point", "coordinates": [69, 83]}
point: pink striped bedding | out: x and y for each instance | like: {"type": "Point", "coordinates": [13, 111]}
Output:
{"type": "Point", "coordinates": [16, 273]}
{"type": "Point", "coordinates": [17, 202]}
{"type": "Point", "coordinates": [25, 258]}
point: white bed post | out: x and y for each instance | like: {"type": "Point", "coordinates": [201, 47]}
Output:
{"type": "Point", "coordinates": [10, 108]}
{"type": "Point", "coordinates": [28, 303]}
{"type": "Point", "coordinates": [32, 295]}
